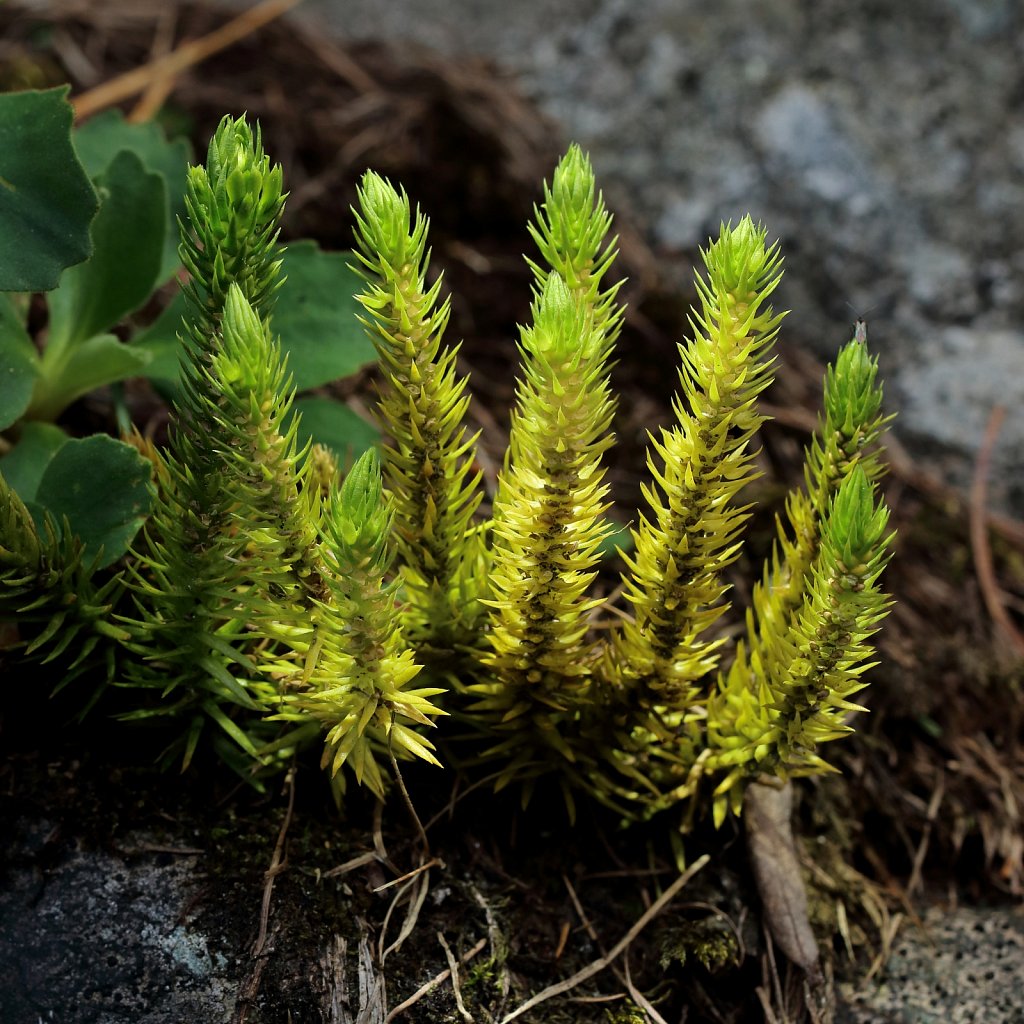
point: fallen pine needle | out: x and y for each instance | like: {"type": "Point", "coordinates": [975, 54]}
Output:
{"type": "Point", "coordinates": [979, 535]}
{"type": "Point", "coordinates": [432, 984]}
{"type": "Point", "coordinates": [432, 863]}
{"type": "Point", "coordinates": [640, 999]}
{"type": "Point", "coordinates": [185, 56]}
{"type": "Point", "coordinates": [600, 964]}
{"type": "Point", "coordinates": [453, 966]}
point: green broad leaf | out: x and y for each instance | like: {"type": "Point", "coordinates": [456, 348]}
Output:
{"type": "Point", "coordinates": [93, 363]}
{"type": "Point", "coordinates": [315, 316]}
{"type": "Point", "coordinates": [102, 137]}
{"type": "Point", "coordinates": [335, 426]}
{"type": "Point", "coordinates": [19, 364]}
{"type": "Point", "coordinates": [46, 199]}
{"type": "Point", "coordinates": [104, 488]}
{"type": "Point", "coordinates": [160, 341]}
{"type": "Point", "coordinates": [23, 466]}
{"type": "Point", "coordinates": [128, 239]}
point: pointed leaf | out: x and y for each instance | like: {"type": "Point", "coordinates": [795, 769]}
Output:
{"type": "Point", "coordinates": [46, 199]}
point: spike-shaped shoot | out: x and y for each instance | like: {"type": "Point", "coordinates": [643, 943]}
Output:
{"type": "Point", "coordinates": [429, 461]}
{"type": "Point", "coordinates": [356, 683]}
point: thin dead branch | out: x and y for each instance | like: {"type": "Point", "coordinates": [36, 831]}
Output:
{"type": "Point", "coordinates": [419, 886]}
{"type": "Point", "coordinates": [601, 963]}
{"type": "Point", "coordinates": [260, 948]}
{"type": "Point", "coordinates": [639, 998]}
{"type": "Point", "coordinates": [162, 85]}
{"type": "Point", "coordinates": [922, 848]}
{"type": "Point", "coordinates": [429, 987]}
{"type": "Point", "coordinates": [187, 55]}
{"type": "Point", "coordinates": [278, 863]}
{"type": "Point", "coordinates": [980, 547]}
{"type": "Point", "coordinates": [453, 966]}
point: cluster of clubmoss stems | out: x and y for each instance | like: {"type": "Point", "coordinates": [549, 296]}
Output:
{"type": "Point", "coordinates": [544, 681]}
{"type": "Point", "coordinates": [545, 692]}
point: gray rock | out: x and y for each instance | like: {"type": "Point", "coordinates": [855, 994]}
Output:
{"type": "Point", "coordinates": [884, 146]}
{"type": "Point", "coordinates": [965, 967]}
{"type": "Point", "coordinates": [101, 939]}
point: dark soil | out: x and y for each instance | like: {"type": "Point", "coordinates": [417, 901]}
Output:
{"type": "Point", "coordinates": [932, 787]}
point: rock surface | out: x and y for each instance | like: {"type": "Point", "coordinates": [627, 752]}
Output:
{"type": "Point", "coordinates": [965, 967]}
{"type": "Point", "coordinates": [884, 146]}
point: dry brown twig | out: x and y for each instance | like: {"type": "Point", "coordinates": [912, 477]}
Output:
{"type": "Point", "coordinates": [432, 984]}
{"type": "Point", "coordinates": [639, 998]}
{"type": "Point", "coordinates": [980, 547]}
{"type": "Point", "coordinates": [922, 849]}
{"type": "Point", "coordinates": [278, 862]}
{"type": "Point", "coordinates": [180, 59]}
{"type": "Point", "coordinates": [162, 85]}
{"type": "Point", "coordinates": [499, 950]}
{"type": "Point", "coordinates": [453, 966]}
{"type": "Point", "coordinates": [602, 962]}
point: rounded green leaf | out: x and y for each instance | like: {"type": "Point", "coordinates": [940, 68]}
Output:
{"type": "Point", "coordinates": [46, 199]}
{"type": "Point", "coordinates": [95, 362]}
{"type": "Point", "coordinates": [19, 365]}
{"type": "Point", "coordinates": [161, 342]}
{"type": "Point", "coordinates": [104, 488]}
{"type": "Point", "coordinates": [128, 236]}
{"type": "Point", "coordinates": [102, 137]}
{"type": "Point", "coordinates": [315, 316]}
{"type": "Point", "coordinates": [23, 466]}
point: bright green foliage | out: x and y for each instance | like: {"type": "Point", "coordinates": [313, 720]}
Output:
{"type": "Point", "coordinates": [692, 532]}
{"type": "Point", "coordinates": [234, 208]}
{"type": "Point", "coordinates": [548, 514]}
{"type": "Point", "coordinates": [232, 554]}
{"type": "Point", "coordinates": [799, 698]}
{"type": "Point", "coordinates": [278, 511]}
{"type": "Point", "coordinates": [852, 426]}
{"type": "Point", "coordinates": [234, 523]}
{"type": "Point", "coordinates": [52, 548]}
{"type": "Point", "coordinates": [754, 698]}
{"type": "Point", "coordinates": [571, 229]}
{"type": "Point", "coordinates": [46, 586]}
{"type": "Point", "coordinates": [355, 682]}
{"type": "Point", "coordinates": [429, 461]}
{"type": "Point", "coordinates": [285, 606]}
{"type": "Point", "coordinates": [548, 526]}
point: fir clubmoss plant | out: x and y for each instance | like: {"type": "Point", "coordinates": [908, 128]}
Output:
{"type": "Point", "coordinates": [290, 607]}
{"type": "Point", "coordinates": [548, 527]}
{"type": "Point", "coordinates": [355, 682]}
{"type": "Point", "coordinates": [48, 585]}
{"type": "Point", "coordinates": [230, 479]}
{"type": "Point", "coordinates": [428, 460]}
